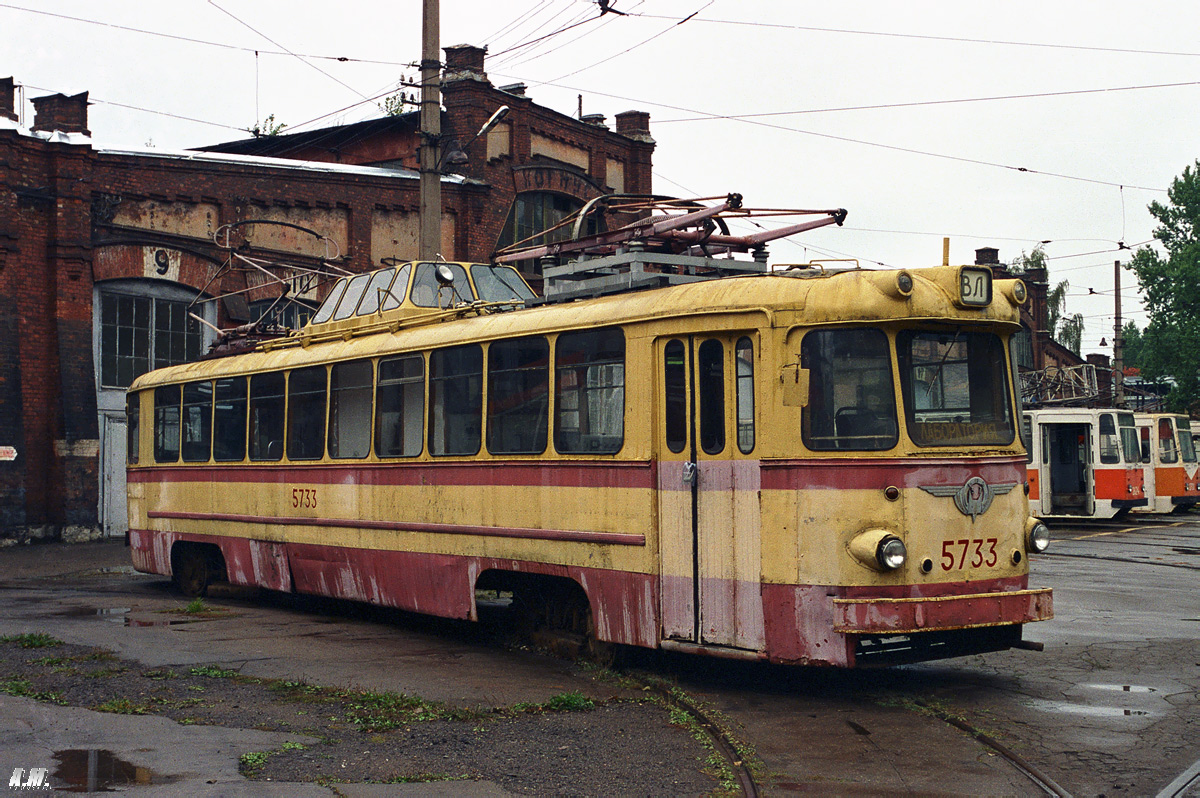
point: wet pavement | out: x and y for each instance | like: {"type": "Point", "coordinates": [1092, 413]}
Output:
{"type": "Point", "coordinates": [1110, 707]}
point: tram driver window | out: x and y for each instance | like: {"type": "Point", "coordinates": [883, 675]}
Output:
{"type": "Point", "coordinates": [955, 388]}
{"type": "Point", "coordinates": [590, 392]}
{"type": "Point", "coordinates": [852, 402]}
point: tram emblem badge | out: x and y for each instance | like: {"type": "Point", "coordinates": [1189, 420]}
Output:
{"type": "Point", "coordinates": [974, 497]}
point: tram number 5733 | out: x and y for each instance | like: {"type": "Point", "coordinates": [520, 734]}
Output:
{"type": "Point", "coordinates": [973, 553]}
{"type": "Point", "coordinates": [304, 497]}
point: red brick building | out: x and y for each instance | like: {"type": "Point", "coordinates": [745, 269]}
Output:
{"type": "Point", "coordinates": [103, 253]}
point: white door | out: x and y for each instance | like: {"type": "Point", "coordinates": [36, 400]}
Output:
{"type": "Point", "coordinates": [114, 515]}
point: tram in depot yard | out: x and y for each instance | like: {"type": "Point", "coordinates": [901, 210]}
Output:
{"type": "Point", "coordinates": [1168, 456]}
{"type": "Point", "coordinates": [1084, 462]}
{"type": "Point", "coordinates": [802, 465]}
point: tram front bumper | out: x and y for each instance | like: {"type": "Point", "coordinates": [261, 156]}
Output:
{"type": "Point", "coordinates": [891, 616]}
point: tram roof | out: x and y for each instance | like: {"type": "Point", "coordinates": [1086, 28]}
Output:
{"type": "Point", "coordinates": [797, 297]}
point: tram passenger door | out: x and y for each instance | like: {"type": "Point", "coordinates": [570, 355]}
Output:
{"type": "Point", "coordinates": [708, 486]}
{"type": "Point", "coordinates": [1067, 477]}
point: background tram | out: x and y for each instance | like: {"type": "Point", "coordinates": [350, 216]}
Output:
{"type": "Point", "coordinates": [1168, 456]}
{"type": "Point", "coordinates": [810, 466]}
{"type": "Point", "coordinates": [1084, 463]}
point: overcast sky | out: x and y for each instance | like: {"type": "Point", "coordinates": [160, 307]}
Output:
{"type": "Point", "coordinates": [993, 123]}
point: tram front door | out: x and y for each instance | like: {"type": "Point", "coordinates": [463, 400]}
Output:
{"type": "Point", "coordinates": [708, 485]}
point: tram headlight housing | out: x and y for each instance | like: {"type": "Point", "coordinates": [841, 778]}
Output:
{"type": "Point", "coordinates": [879, 549]}
{"type": "Point", "coordinates": [1037, 536]}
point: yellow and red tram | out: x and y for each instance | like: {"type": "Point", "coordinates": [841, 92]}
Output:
{"type": "Point", "coordinates": [816, 466]}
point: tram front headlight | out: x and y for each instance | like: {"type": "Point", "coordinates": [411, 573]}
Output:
{"type": "Point", "coordinates": [891, 553]}
{"type": "Point", "coordinates": [878, 549]}
{"type": "Point", "coordinates": [1037, 536]}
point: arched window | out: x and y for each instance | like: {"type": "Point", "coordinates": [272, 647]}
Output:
{"type": "Point", "coordinates": [535, 212]}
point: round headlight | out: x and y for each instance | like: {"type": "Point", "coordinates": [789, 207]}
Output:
{"type": "Point", "coordinates": [891, 553]}
{"type": "Point", "coordinates": [1039, 537]}
{"type": "Point", "coordinates": [904, 283]}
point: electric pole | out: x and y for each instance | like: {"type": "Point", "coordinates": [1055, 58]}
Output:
{"type": "Point", "coordinates": [429, 237]}
{"type": "Point", "coordinates": [1118, 362]}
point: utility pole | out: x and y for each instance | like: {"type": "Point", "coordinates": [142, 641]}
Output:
{"type": "Point", "coordinates": [429, 238]}
{"type": "Point", "coordinates": [1118, 361]}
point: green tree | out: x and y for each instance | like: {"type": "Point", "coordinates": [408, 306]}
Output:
{"type": "Point", "coordinates": [1131, 346]}
{"type": "Point", "coordinates": [1034, 260]}
{"type": "Point", "coordinates": [1070, 332]}
{"type": "Point", "coordinates": [1170, 287]}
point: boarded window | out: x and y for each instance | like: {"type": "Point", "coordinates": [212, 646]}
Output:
{"type": "Point", "coordinates": [229, 420]}
{"type": "Point", "coordinates": [590, 392]}
{"type": "Point", "coordinates": [350, 409]}
{"type": "Point", "coordinates": [518, 396]}
{"type": "Point", "coordinates": [455, 400]}
{"type": "Point", "coordinates": [400, 407]}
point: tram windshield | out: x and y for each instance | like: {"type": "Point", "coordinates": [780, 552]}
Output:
{"type": "Point", "coordinates": [954, 386]}
{"type": "Point", "coordinates": [1186, 445]}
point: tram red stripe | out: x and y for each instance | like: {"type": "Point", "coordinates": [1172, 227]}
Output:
{"type": "Point", "coordinates": [878, 474]}
{"type": "Point", "coordinates": [572, 474]}
{"type": "Point", "coordinates": [615, 538]}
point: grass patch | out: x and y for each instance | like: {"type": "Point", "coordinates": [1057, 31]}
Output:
{"type": "Point", "coordinates": [23, 688]}
{"type": "Point", "coordinates": [253, 762]}
{"type": "Point", "coordinates": [32, 640]}
{"type": "Point", "coordinates": [213, 672]}
{"type": "Point", "coordinates": [123, 706]}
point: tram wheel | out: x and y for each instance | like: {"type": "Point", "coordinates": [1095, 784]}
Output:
{"type": "Point", "coordinates": [191, 571]}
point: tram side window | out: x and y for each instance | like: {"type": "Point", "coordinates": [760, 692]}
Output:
{"type": "Point", "coordinates": [376, 292]}
{"type": "Point", "coordinates": [1110, 444]}
{"type": "Point", "coordinates": [1129, 437]}
{"type": "Point", "coordinates": [852, 402]}
{"type": "Point", "coordinates": [229, 420]}
{"type": "Point", "coordinates": [710, 393]}
{"type": "Point", "coordinates": [133, 414]}
{"type": "Point", "coordinates": [400, 407]}
{"type": "Point", "coordinates": [1144, 433]}
{"type": "Point", "coordinates": [518, 396]}
{"type": "Point", "coordinates": [350, 409]}
{"type": "Point", "coordinates": [354, 291]}
{"type": "Point", "coordinates": [675, 386]}
{"type": "Point", "coordinates": [744, 360]}
{"type": "Point", "coordinates": [955, 388]}
{"type": "Point", "coordinates": [1167, 453]}
{"type": "Point", "coordinates": [166, 424]}
{"type": "Point", "coordinates": [266, 416]}
{"type": "Point", "coordinates": [395, 295]}
{"type": "Point", "coordinates": [306, 414]}
{"type": "Point", "coordinates": [1186, 445]}
{"type": "Point", "coordinates": [590, 392]}
{"type": "Point", "coordinates": [325, 312]}
{"type": "Point", "coordinates": [455, 400]}
{"type": "Point", "coordinates": [197, 421]}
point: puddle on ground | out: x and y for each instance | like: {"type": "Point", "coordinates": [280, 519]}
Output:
{"type": "Point", "coordinates": [120, 615]}
{"type": "Point", "coordinates": [1091, 711]}
{"type": "Point", "coordinates": [1121, 688]}
{"type": "Point", "coordinates": [98, 770]}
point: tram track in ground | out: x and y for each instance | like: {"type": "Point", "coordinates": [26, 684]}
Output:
{"type": "Point", "coordinates": [1048, 785]}
{"type": "Point", "coordinates": [1185, 784]}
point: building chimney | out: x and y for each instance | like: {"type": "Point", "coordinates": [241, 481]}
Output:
{"type": "Point", "coordinates": [8, 96]}
{"type": "Point", "coordinates": [634, 125]}
{"type": "Point", "coordinates": [987, 256]}
{"type": "Point", "coordinates": [515, 89]}
{"type": "Point", "coordinates": [594, 119]}
{"type": "Point", "coordinates": [465, 60]}
{"type": "Point", "coordinates": [62, 113]}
